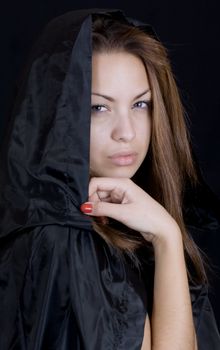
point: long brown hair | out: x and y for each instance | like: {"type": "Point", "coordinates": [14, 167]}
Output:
{"type": "Point", "coordinates": [169, 160]}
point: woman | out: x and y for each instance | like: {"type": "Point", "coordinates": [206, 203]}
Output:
{"type": "Point", "coordinates": [98, 128]}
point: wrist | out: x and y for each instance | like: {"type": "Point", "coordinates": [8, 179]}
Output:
{"type": "Point", "coordinates": [166, 236]}
{"type": "Point", "coordinates": [171, 239]}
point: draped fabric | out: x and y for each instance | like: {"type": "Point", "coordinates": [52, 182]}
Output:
{"type": "Point", "coordinates": [61, 286]}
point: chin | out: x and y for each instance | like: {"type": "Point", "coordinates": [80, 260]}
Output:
{"type": "Point", "coordinates": [123, 172]}
{"type": "Point", "coordinates": [120, 172]}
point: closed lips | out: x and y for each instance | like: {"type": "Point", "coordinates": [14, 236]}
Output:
{"type": "Point", "coordinates": [123, 154]}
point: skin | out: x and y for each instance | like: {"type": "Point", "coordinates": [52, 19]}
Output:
{"type": "Point", "coordinates": [124, 124]}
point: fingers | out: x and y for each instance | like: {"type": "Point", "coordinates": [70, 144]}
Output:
{"type": "Point", "coordinates": [111, 210]}
{"type": "Point", "coordinates": [114, 190]}
{"type": "Point", "coordinates": [106, 184]}
{"type": "Point", "coordinates": [87, 208]}
{"type": "Point", "coordinates": [107, 197]}
{"type": "Point", "coordinates": [115, 196]}
{"type": "Point", "coordinates": [100, 196]}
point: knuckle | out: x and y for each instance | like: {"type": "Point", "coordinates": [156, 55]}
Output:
{"type": "Point", "coordinates": [92, 184]}
{"type": "Point", "coordinates": [97, 207]}
{"type": "Point", "coordinates": [92, 181]}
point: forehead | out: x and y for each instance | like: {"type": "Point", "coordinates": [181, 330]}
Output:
{"type": "Point", "coordinates": [118, 70]}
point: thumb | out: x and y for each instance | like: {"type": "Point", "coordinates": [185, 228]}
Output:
{"type": "Point", "coordinates": [103, 209]}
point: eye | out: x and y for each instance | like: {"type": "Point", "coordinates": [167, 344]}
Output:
{"type": "Point", "coordinates": [143, 104]}
{"type": "Point", "coordinates": [98, 108]}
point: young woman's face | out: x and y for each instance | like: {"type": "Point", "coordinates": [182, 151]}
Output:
{"type": "Point", "coordinates": [120, 116]}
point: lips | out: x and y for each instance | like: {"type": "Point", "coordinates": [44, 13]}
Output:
{"type": "Point", "coordinates": [123, 158]}
{"type": "Point", "coordinates": [123, 154]}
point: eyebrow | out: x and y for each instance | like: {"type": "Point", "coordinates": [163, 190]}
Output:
{"type": "Point", "coordinates": [112, 99]}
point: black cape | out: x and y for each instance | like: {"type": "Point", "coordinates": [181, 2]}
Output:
{"type": "Point", "coordinates": [61, 286]}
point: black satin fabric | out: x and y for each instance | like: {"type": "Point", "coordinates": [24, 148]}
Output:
{"type": "Point", "coordinates": [61, 286]}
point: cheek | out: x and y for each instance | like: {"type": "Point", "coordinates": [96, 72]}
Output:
{"type": "Point", "coordinates": [98, 137]}
{"type": "Point", "coordinates": [144, 132]}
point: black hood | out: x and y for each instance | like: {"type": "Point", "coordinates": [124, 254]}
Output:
{"type": "Point", "coordinates": [45, 156]}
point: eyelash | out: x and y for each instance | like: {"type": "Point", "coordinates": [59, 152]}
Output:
{"type": "Point", "coordinates": [148, 103]}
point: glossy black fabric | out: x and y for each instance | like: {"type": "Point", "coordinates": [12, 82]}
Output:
{"type": "Point", "coordinates": [61, 286]}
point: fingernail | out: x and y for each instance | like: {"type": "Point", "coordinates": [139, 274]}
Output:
{"type": "Point", "coordinates": [86, 208]}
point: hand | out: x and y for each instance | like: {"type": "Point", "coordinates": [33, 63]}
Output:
{"type": "Point", "coordinates": [122, 200]}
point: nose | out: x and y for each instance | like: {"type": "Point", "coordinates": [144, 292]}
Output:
{"type": "Point", "coordinates": [123, 129]}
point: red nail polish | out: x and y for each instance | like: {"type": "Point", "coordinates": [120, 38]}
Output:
{"type": "Point", "coordinates": [86, 208]}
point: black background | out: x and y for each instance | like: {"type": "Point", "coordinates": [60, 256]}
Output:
{"type": "Point", "coordinates": [191, 32]}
